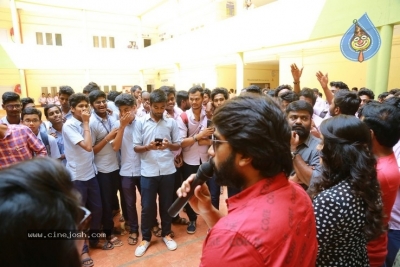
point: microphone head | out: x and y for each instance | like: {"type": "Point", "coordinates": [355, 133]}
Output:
{"type": "Point", "coordinates": [206, 169]}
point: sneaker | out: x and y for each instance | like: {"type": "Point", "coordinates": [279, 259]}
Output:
{"type": "Point", "coordinates": [171, 244]}
{"type": "Point", "coordinates": [191, 229]}
{"type": "Point", "coordinates": [141, 249]}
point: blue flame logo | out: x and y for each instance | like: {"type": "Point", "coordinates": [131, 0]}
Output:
{"type": "Point", "coordinates": [361, 41]}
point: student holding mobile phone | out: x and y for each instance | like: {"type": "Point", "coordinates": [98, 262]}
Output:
{"type": "Point", "coordinates": [155, 137]}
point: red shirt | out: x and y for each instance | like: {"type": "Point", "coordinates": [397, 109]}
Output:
{"type": "Point", "coordinates": [271, 223]}
{"type": "Point", "coordinates": [389, 180]}
{"type": "Point", "coordinates": [19, 144]}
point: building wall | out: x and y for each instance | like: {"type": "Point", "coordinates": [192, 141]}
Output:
{"type": "Point", "coordinates": [330, 60]}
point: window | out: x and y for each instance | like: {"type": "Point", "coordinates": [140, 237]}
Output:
{"type": "Point", "coordinates": [49, 39]}
{"type": "Point", "coordinates": [58, 39]}
{"type": "Point", "coordinates": [113, 88]}
{"type": "Point", "coordinates": [111, 42]}
{"type": "Point", "coordinates": [106, 88]}
{"type": "Point", "coordinates": [39, 38]}
{"type": "Point", "coordinates": [95, 41]}
{"type": "Point", "coordinates": [146, 42]}
{"type": "Point", "coordinates": [54, 91]}
{"type": "Point", "coordinates": [44, 90]}
{"type": "Point", "coordinates": [103, 42]}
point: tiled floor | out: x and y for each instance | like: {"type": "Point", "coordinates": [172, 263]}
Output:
{"type": "Point", "coordinates": [186, 255]}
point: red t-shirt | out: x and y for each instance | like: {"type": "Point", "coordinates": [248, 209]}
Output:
{"type": "Point", "coordinates": [271, 223]}
{"type": "Point", "coordinates": [389, 180]}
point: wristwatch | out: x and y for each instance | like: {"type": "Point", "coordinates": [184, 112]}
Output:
{"type": "Point", "coordinates": [294, 154]}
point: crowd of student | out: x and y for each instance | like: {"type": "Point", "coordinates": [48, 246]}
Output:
{"type": "Point", "coordinates": [344, 151]}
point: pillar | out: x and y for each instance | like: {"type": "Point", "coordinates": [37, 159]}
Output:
{"type": "Point", "coordinates": [383, 61]}
{"type": "Point", "coordinates": [239, 72]}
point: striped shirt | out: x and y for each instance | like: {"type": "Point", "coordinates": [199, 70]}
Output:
{"type": "Point", "coordinates": [19, 144]}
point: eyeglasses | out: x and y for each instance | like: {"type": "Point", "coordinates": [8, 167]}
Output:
{"type": "Point", "coordinates": [31, 121]}
{"type": "Point", "coordinates": [12, 107]}
{"type": "Point", "coordinates": [85, 218]}
{"type": "Point", "coordinates": [214, 141]}
{"type": "Point", "coordinates": [100, 102]}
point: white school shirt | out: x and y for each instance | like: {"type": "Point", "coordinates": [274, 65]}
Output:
{"type": "Point", "coordinates": [54, 151]}
{"type": "Point", "coordinates": [106, 159]}
{"type": "Point", "coordinates": [80, 163]}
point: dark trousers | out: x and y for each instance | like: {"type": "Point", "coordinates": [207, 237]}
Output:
{"type": "Point", "coordinates": [108, 183]}
{"type": "Point", "coordinates": [215, 191]}
{"type": "Point", "coordinates": [129, 185]}
{"type": "Point", "coordinates": [162, 185]}
{"type": "Point", "coordinates": [177, 183]}
{"type": "Point", "coordinates": [121, 194]}
{"type": "Point", "coordinates": [187, 171]}
{"type": "Point", "coordinates": [393, 246]}
{"type": "Point", "coordinates": [91, 199]}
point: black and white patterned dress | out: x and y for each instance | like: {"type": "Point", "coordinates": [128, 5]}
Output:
{"type": "Point", "coordinates": [340, 218]}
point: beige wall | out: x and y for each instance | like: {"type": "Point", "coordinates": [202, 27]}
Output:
{"type": "Point", "coordinates": [253, 73]}
{"type": "Point", "coordinates": [331, 61]}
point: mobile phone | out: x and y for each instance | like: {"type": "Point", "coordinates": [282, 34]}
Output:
{"type": "Point", "coordinates": [158, 141]}
{"type": "Point", "coordinates": [209, 122]}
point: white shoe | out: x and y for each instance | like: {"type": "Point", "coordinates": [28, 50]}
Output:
{"type": "Point", "coordinates": [171, 244]}
{"type": "Point", "coordinates": [141, 249]}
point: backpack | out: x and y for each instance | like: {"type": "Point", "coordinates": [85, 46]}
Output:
{"type": "Point", "coordinates": [45, 139]}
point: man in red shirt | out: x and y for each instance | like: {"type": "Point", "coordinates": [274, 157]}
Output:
{"type": "Point", "coordinates": [271, 221]}
{"type": "Point", "coordinates": [383, 120]}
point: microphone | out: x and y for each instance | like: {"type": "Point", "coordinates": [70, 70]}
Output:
{"type": "Point", "coordinates": [204, 173]}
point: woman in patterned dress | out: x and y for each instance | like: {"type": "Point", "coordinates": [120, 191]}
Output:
{"type": "Point", "coordinates": [347, 201]}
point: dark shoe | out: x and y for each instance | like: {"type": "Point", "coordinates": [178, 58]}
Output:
{"type": "Point", "coordinates": [191, 229]}
{"type": "Point", "coordinates": [180, 220]}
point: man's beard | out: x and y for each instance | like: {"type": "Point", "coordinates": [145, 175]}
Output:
{"type": "Point", "coordinates": [301, 131]}
{"type": "Point", "coordinates": [227, 175]}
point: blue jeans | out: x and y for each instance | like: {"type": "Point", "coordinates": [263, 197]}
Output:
{"type": "Point", "coordinates": [393, 246]}
{"type": "Point", "coordinates": [162, 185]}
{"type": "Point", "coordinates": [90, 198]}
{"type": "Point", "coordinates": [129, 185]}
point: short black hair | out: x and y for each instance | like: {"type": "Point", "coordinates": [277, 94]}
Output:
{"type": "Point", "coordinates": [220, 90]}
{"type": "Point", "coordinates": [394, 91]}
{"type": "Point", "coordinates": [347, 101]}
{"type": "Point", "coordinates": [258, 130]}
{"type": "Point", "coordinates": [125, 100]}
{"type": "Point", "coordinates": [299, 105]}
{"type": "Point", "coordinates": [66, 90]}
{"type": "Point", "coordinates": [308, 93]}
{"type": "Point", "coordinates": [96, 94]}
{"type": "Point", "coordinates": [340, 85]}
{"type": "Point", "coordinates": [196, 88]}
{"type": "Point", "coordinates": [112, 95]}
{"type": "Point", "coordinates": [253, 89]}
{"type": "Point", "coordinates": [47, 107]}
{"type": "Point", "coordinates": [383, 120]}
{"type": "Point", "coordinates": [181, 96]}
{"type": "Point", "coordinates": [30, 111]}
{"type": "Point", "coordinates": [37, 195]}
{"type": "Point", "coordinates": [281, 87]}
{"type": "Point", "coordinates": [75, 99]}
{"type": "Point", "coordinates": [168, 90]}
{"type": "Point", "coordinates": [383, 95]}
{"type": "Point", "coordinates": [158, 96]}
{"type": "Point", "coordinates": [135, 87]}
{"type": "Point", "coordinates": [289, 96]}
{"type": "Point", "coordinates": [92, 86]}
{"type": "Point", "coordinates": [10, 96]}
{"type": "Point", "coordinates": [367, 92]}
{"type": "Point", "coordinates": [207, 92]}
{"type": "Point", "coordinates": [26, 100]}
